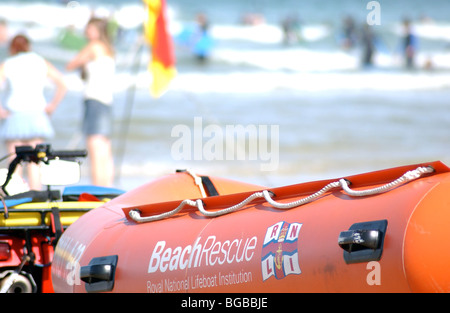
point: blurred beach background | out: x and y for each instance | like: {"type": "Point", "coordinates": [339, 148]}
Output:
{"type": "Point", "coordinates": [336, 117]}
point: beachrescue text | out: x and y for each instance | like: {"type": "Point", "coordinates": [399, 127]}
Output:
{"type": "Point", "coordinates": [207, 253]}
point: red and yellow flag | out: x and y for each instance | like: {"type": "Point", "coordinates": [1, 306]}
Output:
{"type": "Point", "coordinates": [162, 65]}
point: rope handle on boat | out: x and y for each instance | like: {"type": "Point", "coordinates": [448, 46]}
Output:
{"type": "Point", "coordinates": [268, 196]}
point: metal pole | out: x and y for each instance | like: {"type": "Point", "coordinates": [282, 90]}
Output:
{"type": "Point", "coordinates": [129, 101]}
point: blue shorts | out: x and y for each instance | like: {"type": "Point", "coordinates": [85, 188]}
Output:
{"type": "Point", "coordinates": [97, 118]}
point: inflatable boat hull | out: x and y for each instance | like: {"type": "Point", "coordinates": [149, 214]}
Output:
{"type": "Point", "coordinates": [392, 241]}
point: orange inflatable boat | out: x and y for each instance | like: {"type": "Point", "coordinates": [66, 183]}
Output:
{"type": "Point", "coordinates": [384, 231]}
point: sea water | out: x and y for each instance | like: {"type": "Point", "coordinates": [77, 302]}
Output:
{"type": "Point", "coordinates": [334, 116]}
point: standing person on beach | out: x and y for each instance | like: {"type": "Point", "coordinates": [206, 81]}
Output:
{"type": "Point", "coordinates": [368, 45]}
{"type": "Point", "coordinates": [409, 44]}
{"type": "Point", "coordinates": [197, 38]}
{"type": "Point", "coordinates": [26, 112]}
{"type": "Point", "coordinates": [96, 60]}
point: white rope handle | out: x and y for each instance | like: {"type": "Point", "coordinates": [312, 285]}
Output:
{"type": "Point", "coordinates": [408, 176]}
{"type": "Point", "coordinates": [344, 184]}
{"type": "Point", "coordinates": [232, 208]}
{"type": "Point", "coordinates": [136, 214]}
{"type": "Point", "coordinates": [303, 201]}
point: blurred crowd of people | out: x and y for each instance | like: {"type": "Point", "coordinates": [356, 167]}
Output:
{"type": "Point", "coordinates": [352, 35]}
{"type": "Point", "coordinates": [367, 38]}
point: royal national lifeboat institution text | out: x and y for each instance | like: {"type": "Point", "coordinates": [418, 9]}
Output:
{"type": "Point", "coordinates": [224, 262]}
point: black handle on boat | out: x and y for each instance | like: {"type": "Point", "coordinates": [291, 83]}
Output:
{"type": "Point", "coordinates": [99, 274]}
{"type": "Point", "coordinates": [353, 240]}
{"type": "Point", "coordinates": [96, 273]}
{"type": "Point", "coordinates": [363, 242]}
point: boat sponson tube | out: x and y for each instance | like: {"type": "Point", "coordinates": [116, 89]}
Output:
{"type": "Point", "coordinates": [262, 248]}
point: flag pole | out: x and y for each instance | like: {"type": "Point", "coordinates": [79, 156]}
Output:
{"type": "Point", "coordinates": [162, 64]}
{"type": "Point", "coordinates": [129, 101]}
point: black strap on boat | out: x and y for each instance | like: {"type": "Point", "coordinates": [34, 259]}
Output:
{"type": "Point", "coordinates": [209, 186]}
{"type": "Point", "coordinates": [56, 224]}
{"type": "Point", "coordinates": [210, 189]}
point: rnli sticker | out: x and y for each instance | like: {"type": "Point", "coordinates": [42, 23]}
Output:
{"type": "Point", "coordinates": [279, 252]}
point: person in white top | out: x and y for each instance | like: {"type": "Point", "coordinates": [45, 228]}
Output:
{"type": "Point", "coordinates": [26, 113]}
{"type": "Point", "coordinates": [96, 60]}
